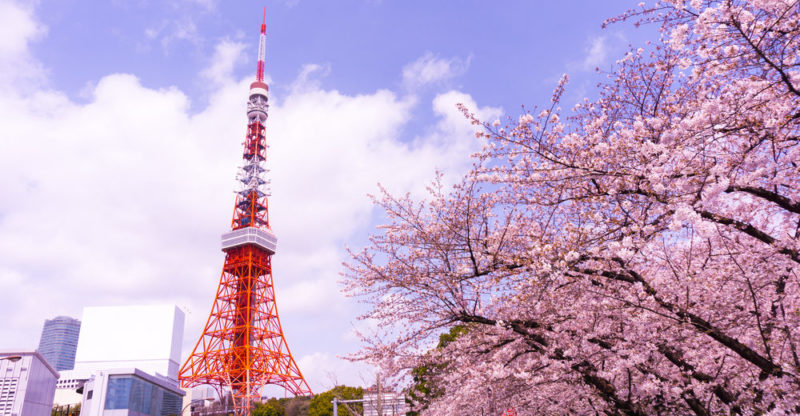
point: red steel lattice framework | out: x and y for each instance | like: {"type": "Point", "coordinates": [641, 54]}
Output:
{"type": "Point", "coordinates": [242, 347]}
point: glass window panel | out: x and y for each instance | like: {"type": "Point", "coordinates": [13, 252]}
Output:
{"type": "Point", "coordinates": [118, 393]}
{"type": "Point", "coordinates": [171, 405]}
{"type": "Point", "coordinates": [135, 394]}
{"type": "Point", "coordinates": [153, 402]}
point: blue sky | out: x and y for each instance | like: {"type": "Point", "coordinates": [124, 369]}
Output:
{"type": "Point", "coordinates": [123, 121]}
{"type": "Point", "coordinates": [365, 43]}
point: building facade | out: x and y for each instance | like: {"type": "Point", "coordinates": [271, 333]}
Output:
{"type": "Point", "coordinates": [144, 337]}
{"type": "Point", "coordinates": [147, 338]}
{"type": "Point", "coordinates": [198, 399]}
{"type": "Point", "coordinates": [27, 384]}
{"type": "Point", "coordinates": [130, 392]}
{"type": "Point", "coordinates": [59, 341]}
{"type": "Point", "coordinates": [69, 387]}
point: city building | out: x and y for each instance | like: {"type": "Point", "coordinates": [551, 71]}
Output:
{"type": "Point", "coordinates": [198, 399]}
{"type": "Point", "coordinates": [144, 337]}
{"type": "Point", "coordinates": [130, 392]}
{"type": "Point", "coordinates": [27, 384]}
{"type": "Point", "coordinates": [59, 341]}
{"type": "Point", "coordinates": [387, 403]}
{"type": "Point", "coordinates": [147, 338]}
{"type": "Point", "coordinates": [69, 386]}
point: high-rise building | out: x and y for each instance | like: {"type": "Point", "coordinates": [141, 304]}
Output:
{"type": "Point", "coordinates": [27, 384]}
{"type": "Point", "coordinates": [59, 341]}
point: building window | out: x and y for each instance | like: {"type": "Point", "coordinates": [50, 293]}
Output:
{"type": "Point", "coordinates": [172, 404]}
{"type": "Point", "coordinates": [135, 394]}
{"type": "Point", "coordinates": [118, 392]}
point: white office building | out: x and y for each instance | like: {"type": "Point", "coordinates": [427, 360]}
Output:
{"type": "Point", "coordinates": [144, 337]}
{"type": "Point", "coordinates": [27, 384]}
{"type": "Point", "coordinates": [147, 338]}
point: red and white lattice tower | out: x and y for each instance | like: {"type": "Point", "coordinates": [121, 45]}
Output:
{"type": "Point", "coordinates": [242, 348]}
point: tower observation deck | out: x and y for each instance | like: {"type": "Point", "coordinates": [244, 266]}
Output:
{"type": "Point", "coordinates": [242, 347]}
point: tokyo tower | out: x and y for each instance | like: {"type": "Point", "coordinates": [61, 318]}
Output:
{"type": "Point", "coordinates": [242, 348]}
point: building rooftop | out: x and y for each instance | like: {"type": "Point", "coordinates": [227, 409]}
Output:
{"type": "Point", "coordinates": [11, 354]}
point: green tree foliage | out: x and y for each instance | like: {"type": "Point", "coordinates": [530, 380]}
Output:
{"type": "Point", "coordinates": [321, 404]}
{"type": "Point", "coordinates": [66, 410]}
{"type": "Point", "coordinates": [272, 407]}
{"type": "Point", "coordinates": [451, 336]}
{"type": "Point", "coordinates": [424, 389]}
{"type": "Point", "coordinates": [291, 406]}
{"type": "Point", "coordinates": [296, 406]}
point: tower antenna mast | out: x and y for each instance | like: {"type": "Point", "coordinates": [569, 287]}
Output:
{"type": "Point", "coordinates": [262, 49]}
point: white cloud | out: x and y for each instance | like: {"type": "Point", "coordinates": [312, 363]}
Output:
{"type": "Point", "coordinates": [596, 53]}
{"type": "Point", "coordinates": [208, 5]}
{"type": "Point", "coordinates": [598, 50]}
{"type": "Point", "coordinates": [430, 69]}
{"type": "Point", "coordinates": [151, 32]}
{"type": "Point", "coordinates": [308, 297]}
{"type": "Point", "coordinates": [169, 31]}
{"type": "Point", "coordinates": [18, 28]}
{"type": "Point", "coordinates": [308, 80]}
{"type": "Point", "coordinates": [121, 200]}
{"type": "Point", "coordinates": [453, 123]}
{"type": "Point", "coordinates": [183, 29]}
{"type": "Point", "coordinates": [326, 371]}
{"type": "Point", "coordinates": [226, 55]}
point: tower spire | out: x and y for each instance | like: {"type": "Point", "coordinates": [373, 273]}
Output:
{"type": "Point", "coordinates": [242, 347]}
{"type": "Point", "coordinates": [262, 49]}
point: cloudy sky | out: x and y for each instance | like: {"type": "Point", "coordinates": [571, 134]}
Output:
{"type": "Point", "coordinates": [121, 125]}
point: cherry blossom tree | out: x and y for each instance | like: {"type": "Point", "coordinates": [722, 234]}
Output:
{"type": "Point", "coordinates": [636, 255]}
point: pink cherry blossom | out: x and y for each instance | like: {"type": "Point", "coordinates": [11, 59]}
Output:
{"type": "Point", "coordinates": [637, 256]}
